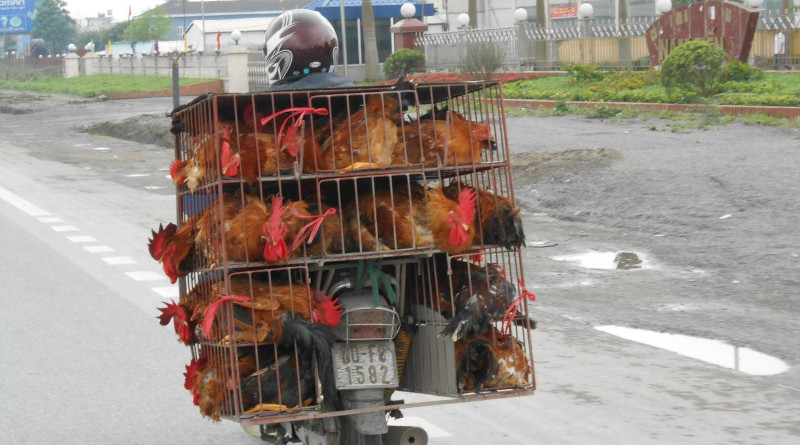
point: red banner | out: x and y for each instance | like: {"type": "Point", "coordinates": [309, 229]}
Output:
{"type": "Point", "coordinates": [563, 12]}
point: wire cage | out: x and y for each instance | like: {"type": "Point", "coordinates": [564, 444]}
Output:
{"type": "Point", "coordinates": [287, 201]}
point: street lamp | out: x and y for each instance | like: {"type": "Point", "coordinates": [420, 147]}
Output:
{"type": "Point", "coordinates": [585, 11]}
{"type": "Point", "coordinates": [463, 20]}
{"type": "Point", "coordinates": [408, 10]}
{"type": "Point", "coordinates": [236, 35]}
{"type": "Point", "coordinates": [663, 6]}
{"type": "Point", "coordinates": [521, 15]}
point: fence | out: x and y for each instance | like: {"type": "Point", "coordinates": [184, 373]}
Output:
{"type": "Point", "coordinates": [599, 41]}
{"type": "Point", "coordinates": [51, 66]}
{"type": "Point", "coordinates": [212, 65]}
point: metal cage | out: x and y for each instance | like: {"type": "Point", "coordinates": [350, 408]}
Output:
{"type": "Point", "coordinates": [283, 194]}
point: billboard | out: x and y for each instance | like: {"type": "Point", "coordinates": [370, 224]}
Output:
{"type": "Point", "coordinates": [16, 16]}
{"type": "Point", "coordinates": [560, 12]}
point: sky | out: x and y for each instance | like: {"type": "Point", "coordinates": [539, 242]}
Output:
{"type": "Point", "coordinates": [79, 9]}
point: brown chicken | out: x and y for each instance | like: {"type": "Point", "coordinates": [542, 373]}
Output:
{"type": "Point", "coordinates": [443, 138]}
{"type": "Point", "coordinates": [497, 219]}
{"type": "Point", "coordinates": [388, 219]}
{"type": "Point", "coordinates": [257, 308]}
{"type": "Point", "coordinates": [201, 164]}
{"type": "Point", "coordinates": [450, 219]}
{"type": "Point", "coordinates": [252, 233]}
{"type": "Point", "coordinates": [492, 361]}
{"type": "Point", "coordinates": [365, 140]}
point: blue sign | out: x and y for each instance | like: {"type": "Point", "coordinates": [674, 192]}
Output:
{"type": "Point", "coordinates": [16, 16]}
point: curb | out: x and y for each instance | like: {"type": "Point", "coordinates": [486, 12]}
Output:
{"type": "Point", "coordinates": [215, 86]}
{"type": "Point", "coordinates": [732, 110]}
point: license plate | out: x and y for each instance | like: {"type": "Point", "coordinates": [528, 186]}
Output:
{"type": "Point", "coordinates": [365, 364]}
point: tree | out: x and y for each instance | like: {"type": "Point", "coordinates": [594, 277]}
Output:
{"type": "Point", "coordinates": [53, 24]}
{"type": "Point", "coordinates": [472, 12]}
{"type": "Point", "coordinates": [372, 65]}
{"type": "Point", "coordinates": [151, 25]}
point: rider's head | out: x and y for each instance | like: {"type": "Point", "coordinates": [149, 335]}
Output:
{"type": "Point", "coordinates": [298, 43]}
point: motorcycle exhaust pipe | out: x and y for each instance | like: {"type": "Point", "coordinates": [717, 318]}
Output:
{"type": "Point", "coordinates": [405, 435]}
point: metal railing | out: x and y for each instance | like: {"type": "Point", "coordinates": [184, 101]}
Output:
{"type": "Point", "coordinates": [600, 41]}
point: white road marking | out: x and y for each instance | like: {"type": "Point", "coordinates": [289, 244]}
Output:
{"type": "Point", "coordinates": [80, 145]}
{"type": "Point", "coordinates": [21, 204]}
{"type": "Point", "coordinates": [137, 175]}
{"type": "Point", "coordinates": [431, 429]}
{"type": "Point", "coordinates": [98, 249]}
{"type": "Point", "coordinates": [64, 228]}
{"type": "Point", "coordinates": [50, 219]}
{"type": "Point", "coordinates": [167, 291]}
{"type": "Point", "coordinates": [102, 148]}
{"type": "Point", "coordinates": [118, 260]}
{"type": "Point", "coordinates": [145, 276]}
{"type": "Point", "coordinates": [82, 239]}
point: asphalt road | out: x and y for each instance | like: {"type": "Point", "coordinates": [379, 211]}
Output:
{"type": "Point", "coordinates": [84, 360]}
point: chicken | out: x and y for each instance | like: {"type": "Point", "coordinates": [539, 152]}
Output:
{"type": "Point", "coordinates": [204, 379]}
{"type": "Point", "coordinates": [200, 165]}
{"type": "Point", "coordinates": [290, 382]}
{"type": "Point", "coordinates": [256, 155]}
{"type": "Point", "coordinates": [252, 233]}
{"type": "Point", "coordinates": [293, 222]}
{"type": "Point", "coordinates": [497, 219]}
{"type": "Point", "coordinates": [181, 315]}
{"type": "Point", "coordinates": [481, 297]}
{"type": "Point", "coordinates": [174, 248]}
{"type": "Point", "coordinates": [490, 360]}
{"type": "Point", "coordinates": [388, 219]}
{"type": "Point", "coordinates": [258, 302]}
{"type": "Point", "coordinates": [450, 219]}
{"type": "Point", "coordinates": [443, 138]}
{"type": "Point", "coordinates": [365, 140]}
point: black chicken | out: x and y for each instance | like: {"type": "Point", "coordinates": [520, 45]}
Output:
{"type": "Point", "coordinates": [481, 296]}
{"type": "Point", "coordinates": [290, 382]}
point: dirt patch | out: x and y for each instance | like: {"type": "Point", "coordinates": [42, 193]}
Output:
{"type": "Point", "coordinates": [147, 129]}
{"type": "Point", "coordinates": [534, 167]}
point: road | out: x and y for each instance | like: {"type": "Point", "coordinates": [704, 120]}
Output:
{"type": "Point", "coordinates": [87, 362]}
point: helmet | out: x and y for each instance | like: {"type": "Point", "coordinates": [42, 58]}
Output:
{"type": "Point", "coordinates": [298, 43]}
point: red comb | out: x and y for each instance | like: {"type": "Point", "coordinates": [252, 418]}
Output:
{"type": "Point", "coordinates": [275, 247]}
{"type": "Point", "coordinates": [156, 243]}
{"type": "Point", "coordinates": [466, 203]}
{"type": "Point", "coordinates": [328, 312]}
{"type": "Point", "coordinates": [177, 177]}
{"type": "Point", "coordinates": [211, 312]}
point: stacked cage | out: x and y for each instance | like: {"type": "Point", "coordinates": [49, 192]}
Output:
{"type": "Point", "coordinates": [289, 200]}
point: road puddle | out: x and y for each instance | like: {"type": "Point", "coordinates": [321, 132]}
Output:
{"type": "Point", "coordinates": [711, 351]}
{"type": "Point", "coordinates": [604, 260]}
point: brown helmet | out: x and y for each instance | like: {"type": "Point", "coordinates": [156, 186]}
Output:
{"type": "Point", "coordinates": [298, 43]}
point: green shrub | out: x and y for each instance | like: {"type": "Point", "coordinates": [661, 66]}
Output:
{"type": "Point", "coordinates": [741, 72]}
{"type": "Point", "coordinates": [585, 73]}
{"type": "Point", "coordinates": [694, 67]}
{"type": "Point", "coordinates": [483, 60]}
{"type": "Point", "coordinates": [402, 63]}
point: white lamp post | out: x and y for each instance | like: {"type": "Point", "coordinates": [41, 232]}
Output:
{"type": "Point", "coordinates": [664, 6]}
{"type": "Point", "coordinates": [236, 35]}
{"type": "Point", "coordinates": [463, 20]}
{"type": "Point", "coordinates": [408, 10]}
{"type": "Point", "coordinates": [521, 15]}
{"type": "Point", "coordinates": [585, 11]}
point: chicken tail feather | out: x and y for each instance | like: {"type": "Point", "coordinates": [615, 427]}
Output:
{"type": "Point", "coordinates": [211, 312]}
